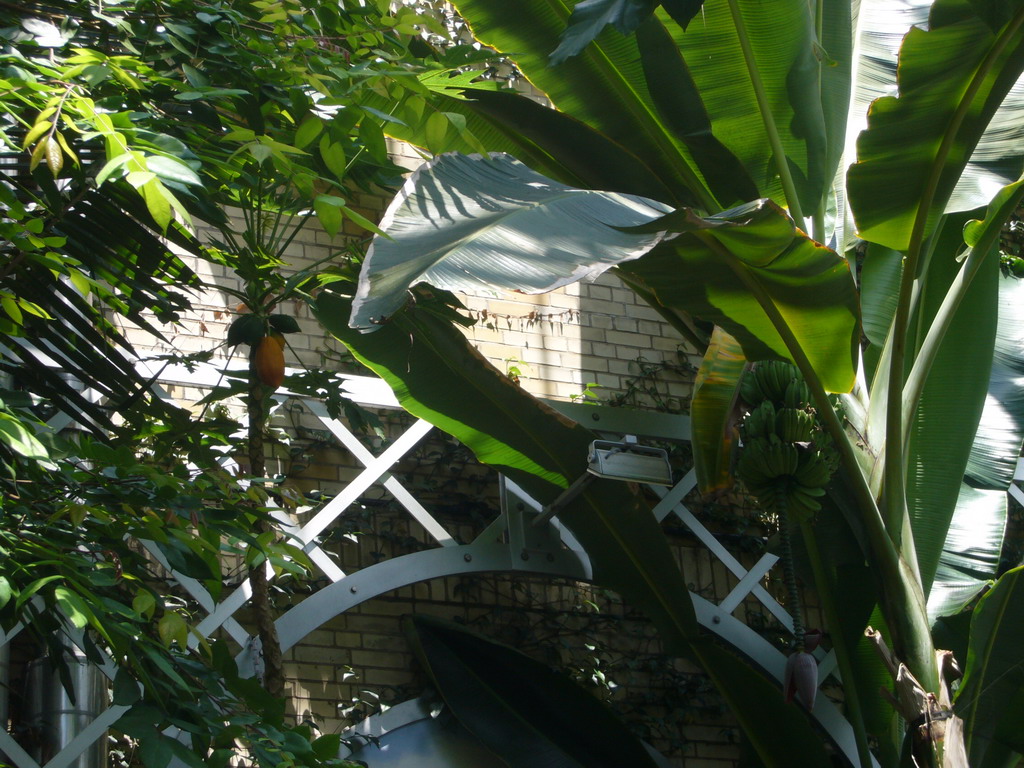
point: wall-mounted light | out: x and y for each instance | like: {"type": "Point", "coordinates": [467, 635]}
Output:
{"type": "Point", "coordinates": [626, 460]}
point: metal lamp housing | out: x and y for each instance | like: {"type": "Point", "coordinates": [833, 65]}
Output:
{"type": "Point", "coordinates": [630, 462]}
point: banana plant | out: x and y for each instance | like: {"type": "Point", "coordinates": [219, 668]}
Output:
{"type": "Point", "coordinates": [697, 150]}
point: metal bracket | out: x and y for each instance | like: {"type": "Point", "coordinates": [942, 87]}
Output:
{"type": "Point", "coordinates": [566, 496]}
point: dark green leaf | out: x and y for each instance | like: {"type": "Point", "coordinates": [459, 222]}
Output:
{"type": "Point", "coordinates": [590, 17]}
{"type": "Point", "coordinates": [680, 105]}
{"type": "Point", "coordinates": [126, 688]}
{"type": "Point", "coordinates": [785, 50]}
{"type": "Point", "coordinates": [155, 749]}
{"type": "Point", "coordinates": [284, 323]}
{"type": "Point", "coordinates": [521, 710]}
{"type": "Point", "coordinates": [989, 697]}
{"type": "Point", "coordinates": [246, 329]}
{"type": "Point", "coordinates": [682, 11]}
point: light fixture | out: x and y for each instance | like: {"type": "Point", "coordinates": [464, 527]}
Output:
{"type": "Point", "coordinates": [627, 460]}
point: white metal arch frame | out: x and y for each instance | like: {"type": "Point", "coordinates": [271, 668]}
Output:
{"type": "Point", "coordinates": [510, 544]}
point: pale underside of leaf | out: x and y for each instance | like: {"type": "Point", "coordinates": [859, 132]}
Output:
{"type": "Point", "coordinates": [970, 555]}
{"type": "Point", "coordinates": [483, 224]}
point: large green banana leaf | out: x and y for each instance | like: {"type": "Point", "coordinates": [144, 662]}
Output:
{"type": "Point", "coordinates": [879, 29]}
{"type": "Point", "coordinates": [524, 712]}
{"type": "Point", "coordinates": [681, 107]}
{"type": "Point", "coordinates": [728, 269]}
{"type": "Point", "coordinates": [506, 227]}
{"type": "Point", "coordinates": [477, 224]}
{"type": "Point", "coordinates": [788, 62]}
{"type": "Point", "coordinates": [970, 555]}
{"type": "Point", "coordinates": [952, 79]}
{"type": "Point", "coordinates": [951, 405]}
{"type": "Point", "coordinates": [990, 699]}
{"type": "Point", "coordinates": [603, 86]}
{"type": "Point", "coordinates": [993, 458]}
{"type": "Point", "coordinates": [957, 390]}
{"type": "Point", "coordinates": [713, 412]}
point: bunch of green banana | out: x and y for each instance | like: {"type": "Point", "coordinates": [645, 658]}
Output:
{"type": "Point", "coordinates": [786, 459]}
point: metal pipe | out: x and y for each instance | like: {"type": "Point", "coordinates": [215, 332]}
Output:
{"type": "Point", "coordinates": [54, 717]}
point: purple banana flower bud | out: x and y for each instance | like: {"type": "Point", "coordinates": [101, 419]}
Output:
{"type": "Point", "coordinates": [801, 678]}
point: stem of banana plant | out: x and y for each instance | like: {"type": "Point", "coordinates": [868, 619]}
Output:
{"type": "Point", "coordinates": [781, 162]}
{"type": "Point", "coordinates": [818, 223]}
{"type": "Point", "coordinates": [789, 569]}
{"type": "Point", "coordinates": [851, 699]}
{"type": "Point", "coordinates": [902, 597]}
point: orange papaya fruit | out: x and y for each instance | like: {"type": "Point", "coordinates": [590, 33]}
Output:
{"type": "Point", "coordinates": [269, 362]}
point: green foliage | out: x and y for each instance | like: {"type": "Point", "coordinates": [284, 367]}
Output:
{"type": "Point", "coordinates": [990, 697]}
{"type": "Point", "coordinates": [128, 120]}
{"type": "Point", "coordinates": [123, 124]}
{"type": "Point", "coordinates": [74, 570]}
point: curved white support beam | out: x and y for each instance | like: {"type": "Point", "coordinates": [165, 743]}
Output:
{"type": "Point", "coordinates": [389, 575]}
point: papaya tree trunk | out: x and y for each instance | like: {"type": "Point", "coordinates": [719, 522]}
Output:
{"type": "Point", "coordinates": [263, 610]}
